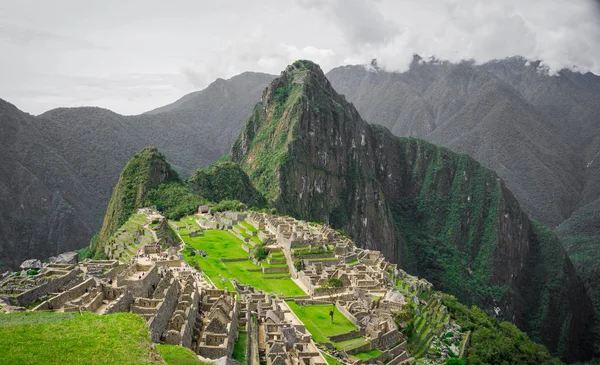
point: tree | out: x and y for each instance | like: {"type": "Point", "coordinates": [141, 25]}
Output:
{"type": "Point", "coordinates": [331, 285]}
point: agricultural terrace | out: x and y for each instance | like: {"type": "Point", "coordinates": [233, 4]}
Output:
{"type": "Point", "coordinates": [223, 244]}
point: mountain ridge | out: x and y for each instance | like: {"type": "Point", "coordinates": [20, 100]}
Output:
{"type": "Point", "coordinates": [410, 104]}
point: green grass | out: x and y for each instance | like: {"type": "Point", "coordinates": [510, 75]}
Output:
{"type": "Point", "coordinates": [177, 355]}
{"type": "Point", "coordinates": [33, 318]}
{"type": "Point", "coordinates": [318, 323]}
{"type": "Point", "coordinates": [248, 226]}
{"type": "Point", "coordinates": [244, 233]}
{"type": "Point", "coordinates": [366, 355]}
{"type": "Point", "coordinates": [223, 244]}
{"type": "Point", "coordinates": [331, 360]}
{"type": "Point", "coordinates": [351, 344]}
{"type": "Point", "coordinates": [53, 338]}
{"type": "Point", "coordinates": [239, 349]}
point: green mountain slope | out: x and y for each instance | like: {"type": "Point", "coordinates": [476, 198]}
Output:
{"type": "Point", "coordinates": [226, 181]}
{"type": "Point", "coordinates": [144, 172]}
{"type": "Point", "coordinates": [148, 180]}
{"type": "Point", "coordinates": [441, 215]}
{"type": "Point", "coordinates": [580, 235]}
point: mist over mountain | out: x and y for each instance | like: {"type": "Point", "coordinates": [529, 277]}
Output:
{"type": "Point", "coordinates": [538, 131]}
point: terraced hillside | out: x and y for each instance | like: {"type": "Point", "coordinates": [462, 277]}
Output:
{"type": "Point", "coordinates": [140, 230]}
{"type": "Point", "coordinates": [228, 257]}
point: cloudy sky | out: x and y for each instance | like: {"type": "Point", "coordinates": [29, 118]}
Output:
{"type": "Point", "coordinates": [134, 55]}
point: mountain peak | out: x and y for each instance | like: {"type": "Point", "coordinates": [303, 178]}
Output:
{"type": "Point", "coordinates": [146, 170]}
{"type": "Point", "coordinates": [296, 106]}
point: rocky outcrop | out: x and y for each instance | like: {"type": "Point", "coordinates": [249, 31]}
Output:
{"type": "Point", "coordinates": [31, 264]}
{"type": "Point", "coordinates": [439, 214]}
{"type": "Point", "coordinates": [69, 258]}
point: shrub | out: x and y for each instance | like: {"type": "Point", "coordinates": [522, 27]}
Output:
{"type": "Point", "coordinates": [229, 205]}
{"type": "Point", "coordinates": [32, 272]}
{"type": "Point", "coordinates": [456, 362]}
{"type": "Point", "coordinates": [192, 253]}
{"type": "Point", "coordinates": [260, 252]}
{"type": "Point", "coordinates": [195, 265]}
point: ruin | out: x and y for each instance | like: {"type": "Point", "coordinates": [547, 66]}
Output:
{"type": "Point", "coordinates": [147, 275]}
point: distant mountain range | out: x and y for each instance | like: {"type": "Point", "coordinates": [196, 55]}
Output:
{"type": "Point", "coordinates": [540, 133]}
{"type": "Point", "coordinates": [58, 169]}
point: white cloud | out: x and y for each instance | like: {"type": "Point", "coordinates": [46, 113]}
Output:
{"type": "Point", "coordinates": [137, 55]}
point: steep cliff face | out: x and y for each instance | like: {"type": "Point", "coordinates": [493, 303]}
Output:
{"type": "Point", "coordinates": [440, 214]}
{"type": "Point", "coordinates": [145, 171]}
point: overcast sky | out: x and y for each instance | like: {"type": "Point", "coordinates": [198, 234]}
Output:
{"type": "Point", "coordinates": [133, 56]}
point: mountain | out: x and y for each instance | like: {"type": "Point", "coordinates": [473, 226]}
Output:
{"type": "Point", "coordinates": [59, 168]}
{"type": "Point", "coordinates": [538, 131]}
{"type": "Point", "coordinates": [43, 203]}
{"type": "Point", "coordinates": [145, 171]}
{"type": "Point", "coordinates": [580, 235]}
{"type": "Point", "coordinates": [226, 181]}
{"type": "Point", "coordinates": [439, 214]}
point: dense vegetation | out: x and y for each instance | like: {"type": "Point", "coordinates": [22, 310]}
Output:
{"type": "Point", "coordinates": [432, 224]}
{"type": "Point", "coordinates": [580, 235]}
{"type": "Point", "coordinates": [148, 180]}
{"type": "Point", "coordinates": [226, 181]}
{"type": "Point", "coordinates": [174, 200]}
{"type": "Point", "coordinates": [493, 342]}
{"type": "Point", "coordinates": [266, 143]}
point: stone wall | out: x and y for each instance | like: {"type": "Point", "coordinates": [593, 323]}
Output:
{"type": "Point", "coordinates": [169, 263]}
{"type": "Point", "coordinates": [389, 339]}
{"type": "Point", "coordinates": [62, 298]}
{"type": "Point", "coordinates": [348, 315]}
{"type": "Point", "coordinates": [95, 303]}
{"type": "Point", "coordinates": [164, 310]}
{"type": "Point", "coordinates": [234, 259]}
{"type": "Point", "coordinates": [191, 312]}
{"type": "Point", "coordinates": [346, 336]}
{"type": "Point", "coordinates": [140, 287]}
{"type": "Point", "coordinates": [53, 285]}
{"type": "Point", "coordinates": [252, 350]}
{"type": "Point", "coordinates": [121, 304]}
{"type": "Point", "coordinates": [272, 270]}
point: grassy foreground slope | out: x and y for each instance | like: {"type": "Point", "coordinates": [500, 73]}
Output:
{"type": "Point", "coordinates": [177, 355]}
{"type": "Point", "coordinates": [57, 338]}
